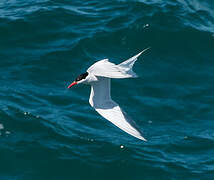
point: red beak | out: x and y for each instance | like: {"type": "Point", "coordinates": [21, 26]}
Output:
{"type": "Point", "coordinates": [72, 84]}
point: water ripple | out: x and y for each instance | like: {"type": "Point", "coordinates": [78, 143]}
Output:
{"type": "Point", "coordinates": [49, 132]}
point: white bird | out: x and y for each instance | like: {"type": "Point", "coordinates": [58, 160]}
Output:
{"type": "Point", "coordinates": [98, 76]}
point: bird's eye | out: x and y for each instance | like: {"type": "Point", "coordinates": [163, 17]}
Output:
{"type": "Point", "coordinates": [81, 76]}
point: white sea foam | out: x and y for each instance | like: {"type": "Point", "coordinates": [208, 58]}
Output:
{"type": "Point", "coordinates": [7, 132]}
{"type": "Point", "coordinates": [1, 126]}
{"type": "Point", "coordinates": [121, 146]}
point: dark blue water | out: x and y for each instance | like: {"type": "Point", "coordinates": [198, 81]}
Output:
{"type": "Point", "coordinates": [49, 132]}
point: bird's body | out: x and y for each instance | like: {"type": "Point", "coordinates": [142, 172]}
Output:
{"type": "Point", "coordinates": [99, 76]}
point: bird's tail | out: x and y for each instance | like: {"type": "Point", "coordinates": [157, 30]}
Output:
{"type": "Point", "coordinates": [127, 65]}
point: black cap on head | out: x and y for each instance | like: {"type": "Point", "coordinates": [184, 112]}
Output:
{"type": "Point", "coordinates": [81, 76]}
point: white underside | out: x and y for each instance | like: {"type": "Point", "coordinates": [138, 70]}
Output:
{"type": "Point", "coordinates": [100, 97]}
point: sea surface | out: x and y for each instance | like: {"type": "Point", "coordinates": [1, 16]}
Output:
{"type": "Point", "coordinates": [48, 132]}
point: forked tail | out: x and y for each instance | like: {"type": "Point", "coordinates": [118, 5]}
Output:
{"type": "Point", "coordinates": [127, 65]}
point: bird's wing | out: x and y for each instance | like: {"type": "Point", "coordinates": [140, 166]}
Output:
{"type": "Point", "coordinates": [128, 64]}
{"type": "Point", "coordinates": [104, 68]}
{"type": "Point", "coordinates": [100, 99]}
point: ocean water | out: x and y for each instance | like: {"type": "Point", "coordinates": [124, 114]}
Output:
{"type": "Point", "coordinates": [50, 132]}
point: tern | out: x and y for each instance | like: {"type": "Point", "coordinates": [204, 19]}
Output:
{"type": "Point", "coordinates": [98, 76]}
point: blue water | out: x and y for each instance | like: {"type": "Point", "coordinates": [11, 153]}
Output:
{"type": "Point", "coordinates": [50, 132]}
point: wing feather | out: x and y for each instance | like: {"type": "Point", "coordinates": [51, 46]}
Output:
{"type": "Point", "coordinates": [100, 100]}
{"type": "Point", "coordinates": [104, 68]}
{"type": "Point", "coordinates": [116, 116]}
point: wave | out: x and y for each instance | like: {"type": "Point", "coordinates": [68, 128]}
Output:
{"type": "Point", "coordinates": [45, 44]}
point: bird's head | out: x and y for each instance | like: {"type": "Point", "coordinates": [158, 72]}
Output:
{"type": "Point", "coordinates": [82, 78]}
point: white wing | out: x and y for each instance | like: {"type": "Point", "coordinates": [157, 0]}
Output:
{"type": "Point", "coordinates": [104, 68]}
{"type": "Point", "coordinates": [100, 99]}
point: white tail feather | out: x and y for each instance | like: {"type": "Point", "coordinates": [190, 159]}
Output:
{"type": "Point", "coordinates": [128, 64]}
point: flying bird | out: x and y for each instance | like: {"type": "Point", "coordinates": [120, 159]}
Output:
{"type": "Point", "coordinates": [98, 76]}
